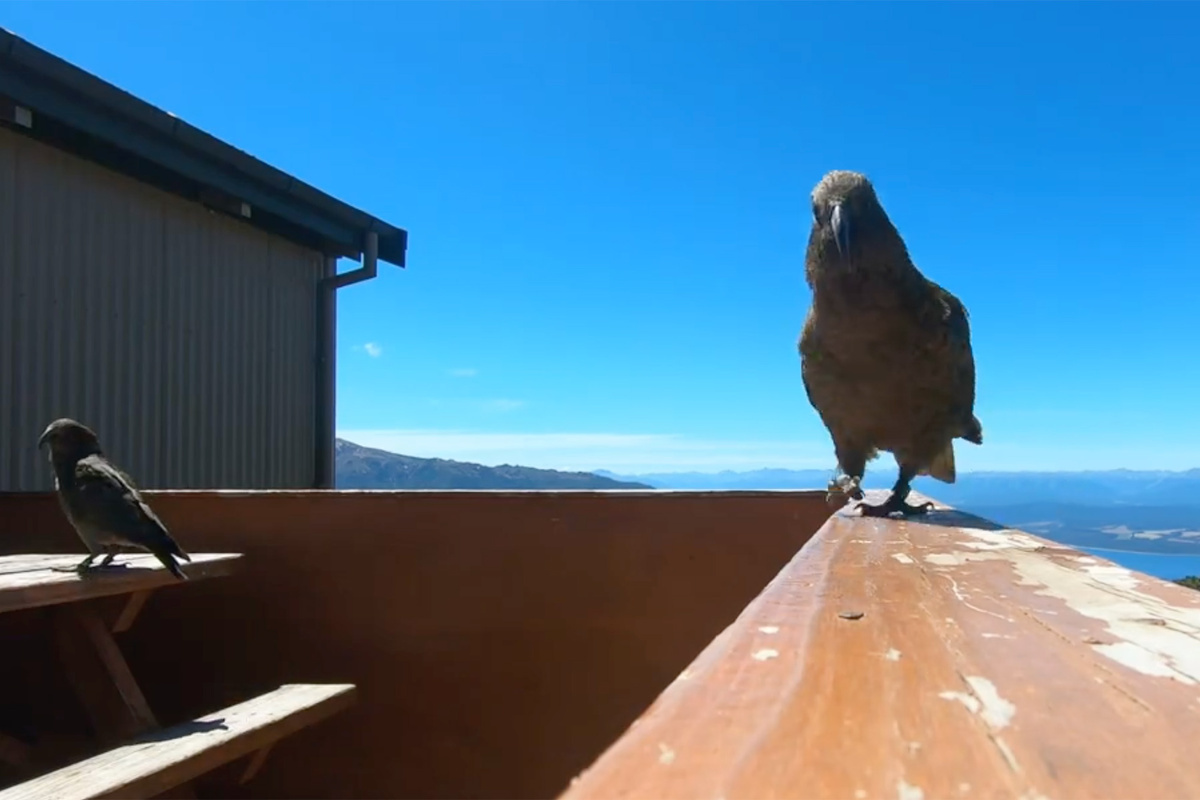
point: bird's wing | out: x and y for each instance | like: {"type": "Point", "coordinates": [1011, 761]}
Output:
{"type": "Point", "coordinates": [949, 320]}
{"type": "Point", "coordinates": [112, 503]}
{"type": "Point", "coordinates": [809, 353]}
{"type": "Point", "coordinates": [825, 383]}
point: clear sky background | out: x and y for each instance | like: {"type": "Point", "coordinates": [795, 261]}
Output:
{"type": "Point", "coordinates": [608, 207]}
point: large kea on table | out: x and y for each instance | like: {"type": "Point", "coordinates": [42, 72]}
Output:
{"type": "Point", "coordinates": [885, 352]}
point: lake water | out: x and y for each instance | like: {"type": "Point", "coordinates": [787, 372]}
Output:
{"type": "Point", "coordinates": [1168, 567]}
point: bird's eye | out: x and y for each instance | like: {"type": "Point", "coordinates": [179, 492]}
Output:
{"type": "Point", "coordinates": [816, 212]}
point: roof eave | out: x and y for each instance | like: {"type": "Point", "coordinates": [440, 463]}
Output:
{"type": "Point", "coordinates": [54, 88]}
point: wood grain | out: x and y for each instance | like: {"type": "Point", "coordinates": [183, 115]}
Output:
{"type": "Point", "coordinates": [33, 580]}
{"type": "Point", "coordinates": [100, 676]}
{"type": "Point", "coordinates": [161, 759]}
{"type": "Point", "coordinates": [937, 657]}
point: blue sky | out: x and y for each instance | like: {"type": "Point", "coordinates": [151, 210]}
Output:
{"type": "Point", "coordinates": [608, 207]}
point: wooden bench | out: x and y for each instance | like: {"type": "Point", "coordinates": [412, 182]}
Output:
{"type": "Point", "coordinates": [163, 759]}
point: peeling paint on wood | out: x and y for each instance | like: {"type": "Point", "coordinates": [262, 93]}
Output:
{"type": "Point", "coordinates": [1029, 671]}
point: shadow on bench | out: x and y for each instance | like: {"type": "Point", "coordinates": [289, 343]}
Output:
{"type": "Point", "coordinates": [163, 759]}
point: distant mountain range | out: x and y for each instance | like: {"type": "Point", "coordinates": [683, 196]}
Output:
{"type": "Point", "coordinates": [1118, 510]}
{"type": "Point", "coordinates": [361, 467]}
{"type": "Point", "coordinates": [973, 489]}
{"type": "Point", "coordinates": [1171, 498]}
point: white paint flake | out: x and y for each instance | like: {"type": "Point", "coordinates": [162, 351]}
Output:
{"type": "Point", "coordinates": [905, 791]}
{"type": "Point", "coordinates": [769, 629]}
{"type": "Point", "coordinates": [1152, 635]}
{"type": "Point", "coordinates": [1007, 752]}
{"type": "Point", "coordinates": [892, 654]}
{"type": "Point", "coordinates": [1112, 575]}
{"type": "Point", "coordinates": [903, 558]}
{"type": "Point", "coordinates": [967, 700]}
{"type": "Point", "coordinates": [1006, 539]}
{"type": "Point", "coordinates": [1140, 659]}
{"type": "Point", "coordinates": [765, 653]}
{"type": "Point", "coordinates": [985, 701]}
{"type": "Point", "coordinates": [666, 756]}
{"type": "Point", "coordinates": [997, 712]}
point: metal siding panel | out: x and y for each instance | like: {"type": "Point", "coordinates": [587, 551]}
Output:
{"type": "Point", "coordinates": [9, 292]}
{"type": "Point", "coordinates": [184, 337]}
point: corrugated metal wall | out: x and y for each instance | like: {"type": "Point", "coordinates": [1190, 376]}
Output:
{"type": "Point", "coordinates": [184, 338]}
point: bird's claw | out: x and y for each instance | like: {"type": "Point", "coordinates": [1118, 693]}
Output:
{"type": "Point", "coordinates": [107, 561]}
{"type": "Point", "coordinates": [843, 486]}
{"type": "Point", "coordinates": [895, 506]}
{"type": "Point", "coordinates": [84, 569]}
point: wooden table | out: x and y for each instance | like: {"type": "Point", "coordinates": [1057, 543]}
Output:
{"type": "Point", "coordinates": [140, 758]}
{"type": "Point", "coordinates": [938, 657]}
{"type": "Point", "coordinates": [94, 665]}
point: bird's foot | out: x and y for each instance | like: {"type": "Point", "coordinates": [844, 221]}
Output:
{"type": "Point", "coordinates": [107, 562]}
{"type": "Point", "coordinates": [895, 504]}
{"type": "Point", "coordinates": [845, 485]}
{"type": "Point", "coordinates": [86, 567]}
{"type": "Point", "coordinates": [78, 569]}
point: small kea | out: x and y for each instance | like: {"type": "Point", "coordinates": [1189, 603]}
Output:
{"type": "Point", "coordinates": [885, 352]}
{"type": "Point", "coordinates": [101, 502]}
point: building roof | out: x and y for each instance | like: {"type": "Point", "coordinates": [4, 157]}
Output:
{"type": "Point", "coordinates": [78, 112]}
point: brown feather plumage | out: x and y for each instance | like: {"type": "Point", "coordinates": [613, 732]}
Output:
{"type": "Point", "coordinates": [885, 352]}
{"type": "Point", "coordinates": [101, 502]}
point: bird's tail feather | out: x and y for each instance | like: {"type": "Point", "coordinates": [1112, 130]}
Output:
{"type": "Point", "coordinates": [973, 432]}
{"type": "Point", "coordinates": [165, 549]}
{"type": "Point", "coordinates": [169, 563]}
{"type": "Point", "coordinates": [942, 466]}
{"type": "Point", "coordinates": [169, 545]}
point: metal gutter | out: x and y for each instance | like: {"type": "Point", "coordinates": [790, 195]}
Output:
{"type": "Point", "coordinates": [326, 390]}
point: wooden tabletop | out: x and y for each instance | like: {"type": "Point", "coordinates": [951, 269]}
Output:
{"type": "Point", "coordinates": [32, 580]}
{"type": "Point", "coordinates": [943, 657]}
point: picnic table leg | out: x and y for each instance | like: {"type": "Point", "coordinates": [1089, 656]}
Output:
{"type": "Point", "coordinates": [133, 607]}
{"type": "Point", "coordinates": [102, 680]}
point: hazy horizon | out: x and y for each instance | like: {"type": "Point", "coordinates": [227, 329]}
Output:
{"type": "Point", "coordinates": [884, 464]}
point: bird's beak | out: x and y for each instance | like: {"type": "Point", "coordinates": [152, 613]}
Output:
{"type": "Point", "coordinates": [840, 222]}
{"type": "Point", "coordinates": [43, 438]}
